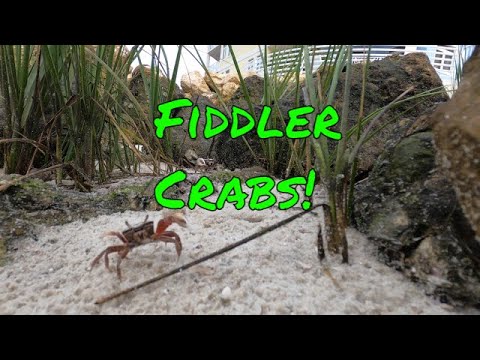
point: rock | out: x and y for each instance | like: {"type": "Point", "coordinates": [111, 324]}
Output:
{"type": "Point", "coordinates": [214, 80]}
{"type": "Point", "coordinates": [137, 87]}
{"type": "Point", "coordinates": [200, 164]}
{"type": "Point", "coordinates": [228, 90]}
{"type": "Point", "coordinates": [222, 176]}
{"type": "Point", "coordinates": [443, 265]}
{"type": "Point", "coordinates": [234, 79]}
{"type": "Point", "coordinates": [412, 158]}
{"type": "Point", "coordinates": [457, 138]}
{"type": "Point", "coordinates": [226, 294]}
{"type": "Point", "coordinates": [235, 154]}
{"type": "Point", "coordinates": [180, 137]}
{"type": "Point", "coordinates": [194, 84]}
{"type": "Point", "coordinates": [387, 79]}
{"type": "Point", "coordinates": [409, 209]}
{"type": "Point", "coordinates": [255, 88]}
{"type": "Point", "coordinates": [191, 156]}
{"type": "Point", "coordinates": [213, 98]}
{"type": "Point", "coordinates": [231, 83]}
{"type": "Point", "coordinates": [34, 202]}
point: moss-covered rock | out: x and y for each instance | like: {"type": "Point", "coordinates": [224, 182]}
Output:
{"type": "Point", "coordinates": [409, 208]}
{"type": "Point", "coordinates": [223, 176]}
{"type": "Point", "coordinates": [34, 202]}
{"type": "Point", "coordinates": [412, 159]}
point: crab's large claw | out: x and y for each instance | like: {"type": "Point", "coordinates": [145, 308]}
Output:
{"type": "Point", "coordinates": [175, 217]}
{"type": "Point", "coordinates": [179, 219]}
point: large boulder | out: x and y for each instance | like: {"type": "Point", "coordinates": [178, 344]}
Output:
{"type": "Point", "coordinates": [255, 88]}
{"type": "Point", "coordinates": [231, 83]}
{"type": "Point", "coordinates": [227, 85]}
{"type": "Point", "coordinates": [234, 79]}
{"type": "Point", "coordinates": [387, 79]}
{"type": "Point", "coordinates": [457, 138]}
{"type": "Point", "coordinates": [409, 209]}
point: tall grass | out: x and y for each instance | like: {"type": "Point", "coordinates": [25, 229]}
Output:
{"type": "Point", "coordinates": [464, 52]}
{"type": "Point", "coordinates": [67, 104]}
{"type": "Point", "coordinates": [21, 80]}
{"type": "Point", "coordinates": [336, 165]}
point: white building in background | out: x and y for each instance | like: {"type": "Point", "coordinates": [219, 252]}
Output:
{"type": "Point", "coordinates": [444, 58]}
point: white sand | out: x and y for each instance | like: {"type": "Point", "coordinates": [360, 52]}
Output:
{"type": "Point", "coordinates": [278, 273]}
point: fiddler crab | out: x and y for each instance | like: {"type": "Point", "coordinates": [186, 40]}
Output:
{"type": "Point", "coordinates": [140, 235]}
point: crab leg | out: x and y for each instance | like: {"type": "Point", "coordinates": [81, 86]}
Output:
{"type": "Point", "coordinates": [117, 234]}
{"type": "Point", "coordinates": [106, 252]}
{"type": "Point", "coordinates": [170, 237]}
{"type": "Point", "coordinates": [121, 256]}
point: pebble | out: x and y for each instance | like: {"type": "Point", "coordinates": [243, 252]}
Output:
{"type": "Point", "coordinates": [304, 267]}
{"type": "Point", "coordinates": [226, 294]}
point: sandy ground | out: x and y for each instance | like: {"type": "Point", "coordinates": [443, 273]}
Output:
{"type": "Point", "coordinates": [278, 273]}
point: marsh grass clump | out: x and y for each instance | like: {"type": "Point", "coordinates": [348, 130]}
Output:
{"type": "Point", "coordinates": [64, 104]}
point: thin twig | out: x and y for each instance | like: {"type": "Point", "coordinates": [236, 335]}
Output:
{"type": "Point", "coordinates": [207, 257]}
{"type": "Point", "coordinates": [6, 185]}
{"type": "Point", "coordinates": [320, 247]}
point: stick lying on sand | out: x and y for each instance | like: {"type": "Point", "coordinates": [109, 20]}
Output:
{"type": "Point", "coordinates": [207, 257]}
